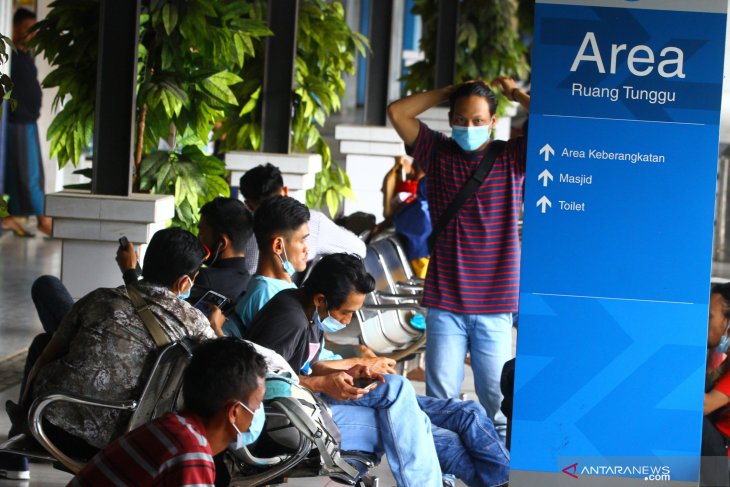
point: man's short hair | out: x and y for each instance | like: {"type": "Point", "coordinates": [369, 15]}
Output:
{"type": "Point", "coordinates": [723, 289]}
{"type": "Point", "coordinates": [277, 215]}
{"type": "Point", "coordinates": [172, 253]}
{"type": "Point", "coordinates": [261, 183]}
{"type": "Point", "coordinates": [21, 15]}
{"type": "Point", "coordinates": [474, 88]}
{"type": "Point", "coordinates": [229, 216]}
{"type": "Point", "coordinates": [336, 276]}
{"type": "Point", "coordinates": [222, 370]}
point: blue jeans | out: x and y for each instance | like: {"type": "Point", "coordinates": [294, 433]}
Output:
{"type": "Point", "coordinates": [466, 442]}
{"type": "Point", "coordinates": [388, 419]}
{"type": "Point", "coordinates": [487, 337]}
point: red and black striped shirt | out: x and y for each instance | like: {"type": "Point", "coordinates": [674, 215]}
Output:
{"type": "Point", "coordinates": [475, 264]}
{"type": "Point", "coordinates": [171, 451]}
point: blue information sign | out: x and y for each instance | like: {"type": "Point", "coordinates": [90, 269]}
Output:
{"type": "Point", "coordinates": [619, 204]}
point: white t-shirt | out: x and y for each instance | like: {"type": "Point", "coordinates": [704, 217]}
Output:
{"type": "Point", "coordinates": [325, 237]}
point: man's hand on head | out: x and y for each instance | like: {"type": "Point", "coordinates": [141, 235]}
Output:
{"type": "Point", "coordinates": [127, 258]}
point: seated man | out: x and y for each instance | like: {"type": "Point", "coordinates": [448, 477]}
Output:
{"type": "Point", "coordinates": [390, 417]}
{"type": "Point", "coordinates": [223, 393]}
{"type": "Point", "coordinates": [716, 424]}
{"type": "Point", "coordinates": [326, 237]}
{"type": "Point", "coordinates": [102, 347]}
{"type": "Point", "coordinates": [280, 227]}
{"type": "Point", "coordinates": [224, 228]}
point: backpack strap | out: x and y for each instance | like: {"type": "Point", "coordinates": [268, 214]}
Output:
{"type": "Point", "coordinates": [494, 150]}
{"type": "Point", "coordinates": [148, 318]}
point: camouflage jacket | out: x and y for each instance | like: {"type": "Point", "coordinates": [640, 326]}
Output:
{"type": "Point", "coordinates": [110, 354]}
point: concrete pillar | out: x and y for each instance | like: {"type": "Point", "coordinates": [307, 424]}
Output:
{"type": "Point", "coordinates": [90, 226]}
{"type": "Point", "coordinates": [298, 170]}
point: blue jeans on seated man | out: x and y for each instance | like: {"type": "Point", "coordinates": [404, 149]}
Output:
{"type": "Point", "coordinates": [487, 337]}
{"type": "Point", "coordinates": [422, 436]}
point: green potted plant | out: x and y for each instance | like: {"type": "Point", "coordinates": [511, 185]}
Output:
{"type": "Point", "coordinates": [190, 54]}
{"type": "Point", "coordinates": [326, 49]}
{"type": "Point", "coordinates": [488, 43]}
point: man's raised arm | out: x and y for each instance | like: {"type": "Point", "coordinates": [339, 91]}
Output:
{"type": "Point", "coordinates": [403, 113]}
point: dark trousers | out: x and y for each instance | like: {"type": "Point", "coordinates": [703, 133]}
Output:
{"type": "Point", "coordinates": [52, 302]}
{"type": "Point", "coordinates": [714, 466]}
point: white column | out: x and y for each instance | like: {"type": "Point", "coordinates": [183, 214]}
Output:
{"type": "Point", "coordinates": [297, 170]}
{"type": "Point", "coordinates": [90, 226]}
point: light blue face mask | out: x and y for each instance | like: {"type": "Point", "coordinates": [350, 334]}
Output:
{"type": "Point", "coordinates": [723, 345]}
{"type": "Point", "coordinates": [244, 438]}
{"type": "Point", "coordinates": [183, 297]}
{"type": "Point", "coordinates": [470, 138]}
{"type": "Point", "coordinates": [329, 324]}
{"type": "Point", "coordinates": [288, 268]}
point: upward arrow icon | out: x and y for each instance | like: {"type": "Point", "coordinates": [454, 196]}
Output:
{"type": "Point", "coordinates": [545, 175]}
{"type": "Point", "coordinates": [547, 151]}
{"type": "Point", "coordinates": [544, 203]}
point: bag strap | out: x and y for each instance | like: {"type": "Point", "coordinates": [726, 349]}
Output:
{"type": "Point", "coordinates": [494, 149]}
{"type": "Point", "coordinates": [148, 317]}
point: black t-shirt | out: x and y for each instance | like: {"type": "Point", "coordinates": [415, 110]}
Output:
{"type": "Point", "coordinates": [282, 326]}
{"type": "Point", "coordinates": [228, 277]}
{"type": "Point", "coordinates": [26, 88]}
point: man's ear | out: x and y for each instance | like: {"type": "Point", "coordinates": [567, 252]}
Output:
{"type": "Point", "coordinates": [277, 245]}
{"type": "Point", "coordinates": [285, 191]}
{"type": "Point", "coordinates": [231, 412]}
{"type": "Point", "coordinates": [224, 242]}
{"type": "Point", "coordinates": [319, 300]}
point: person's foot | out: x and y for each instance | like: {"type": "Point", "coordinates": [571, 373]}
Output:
{"type": "Point", "coordinates": [45, 225]}
{"type": "Point", "coordinates": [10, 223]}
{"type": "Point", "coordinates": [14, 467]}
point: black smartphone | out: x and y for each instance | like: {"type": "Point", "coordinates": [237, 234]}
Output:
{"type": "Point", "coordinates": [211, 297]}
{"type": "Point", "coordinates": [367, 384]}
{"type": "Point", "coordinates": [123, 244]}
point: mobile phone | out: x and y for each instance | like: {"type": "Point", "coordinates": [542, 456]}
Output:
{"type": "Point", "coordinates": [367, 384]}
{"type": "Point", "coordinates": [211, 297]}
{"type": "Point", "coordinates": [123, 244]}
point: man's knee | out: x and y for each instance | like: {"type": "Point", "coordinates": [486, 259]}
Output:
{"type": "Point", "coordinates": [43, 286]}
{"type": "Point", "coordinates": [397, 386]}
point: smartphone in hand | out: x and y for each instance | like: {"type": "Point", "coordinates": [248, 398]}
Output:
{"type": "Point", "coordinates": [209, 298]}
{"type": "Point", "coordinates": [123, 244]}
{"type": "Point", "coordinates": [367, 384]}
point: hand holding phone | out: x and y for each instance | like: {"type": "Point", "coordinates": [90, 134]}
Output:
{"type": "Point", "coordinates": [366, 384]}
{"type": "Point", "coordinates": [127, 257]}
{"type": "Point", "coordinates": [211, 298]}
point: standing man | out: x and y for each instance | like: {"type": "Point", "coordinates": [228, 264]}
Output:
{"type": "Point", "coordinates": [24, 178]}
{"type": "Point", "coordinates": [472, 284]}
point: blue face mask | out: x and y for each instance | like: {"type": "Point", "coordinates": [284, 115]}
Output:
{"type": "Point", "coordinates": [288, 268]}
{"type": "Point", "coordinates": [183, 297]}
{"type": "Point", "coordinates": [328, 325]}
{"type": "Point", "coordinates": [470, 138]}
{"type": "Point", "coordinates": [723, 345]}
{"type": "Point", "coordinates": [244, 438]}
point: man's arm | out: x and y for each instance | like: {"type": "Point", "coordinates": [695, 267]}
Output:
{"type": "Point", "coordinates": [338, 384]}
{"type": "Point", "coordinates": [403, 113]}
{"type": "Point", "coordinates": [381, 365]}
{"type": "Point", "coordinates": [510, 90]}
{"type": "Point", "coordinates": [714, 400]}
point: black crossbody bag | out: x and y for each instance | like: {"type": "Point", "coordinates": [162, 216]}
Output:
{"type": "Point", "coordinates": [494, 150]}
